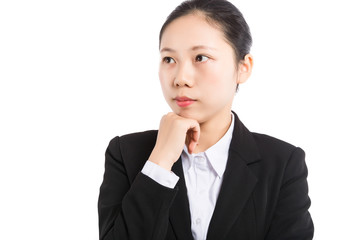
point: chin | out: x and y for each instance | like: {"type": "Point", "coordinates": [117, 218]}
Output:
{"type": "Point", "coordinates": [190, 114]}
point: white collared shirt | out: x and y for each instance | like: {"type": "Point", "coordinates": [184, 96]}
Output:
{"type": "Point", "coordinates": [203, 173]}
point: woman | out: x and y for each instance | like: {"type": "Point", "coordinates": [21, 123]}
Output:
{"type": "Point", "coordinates": [203, 175]}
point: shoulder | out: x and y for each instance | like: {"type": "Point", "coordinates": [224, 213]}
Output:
{"type": "Point", "coordinates": [253, 145]}
{"type": "Point", "coordinates": [270, 143]}
{"type": "Point", "coordinates": [146, 137]}
{"type": "Point", "coordinates": [277, 151]}
{"type": "Point", "coordinates": [135, 145]}
{"type": "Point", "coordinates": [136, 139]}
{"type": "Point", "coordinates": [132, 150]}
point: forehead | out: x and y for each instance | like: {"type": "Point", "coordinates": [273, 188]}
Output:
{"type": "Point", "coordinates": [192, 30]}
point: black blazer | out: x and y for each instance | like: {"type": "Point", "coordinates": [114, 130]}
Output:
{"type": "Point", "coordinates": [264, 194]}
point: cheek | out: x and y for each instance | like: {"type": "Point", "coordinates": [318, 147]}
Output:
{"type": "Point", "coordinates": [217, 79]}
{"type": "Point", "coordinates": [164, 79]}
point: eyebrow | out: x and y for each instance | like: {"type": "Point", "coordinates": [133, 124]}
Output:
{"type": "Point", "coordinates": [166, 49]}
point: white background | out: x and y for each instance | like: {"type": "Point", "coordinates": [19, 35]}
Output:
{"type": "Point", "coordinates": [74, 74]}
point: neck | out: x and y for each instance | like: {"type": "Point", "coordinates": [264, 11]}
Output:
{"type": "Point", "coordinates": [212, 131]}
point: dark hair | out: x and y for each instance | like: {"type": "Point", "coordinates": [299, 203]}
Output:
{"type": "Point", "coordinates": [224, 15]}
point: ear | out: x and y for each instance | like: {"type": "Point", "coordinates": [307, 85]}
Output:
{"type": "Point", "coordinates": [245, 69]}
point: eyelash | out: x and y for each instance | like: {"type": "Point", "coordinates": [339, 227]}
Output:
{"type": "Point", "coordinates": [202, 57]}
{"type": "Point", "coordinates": [168, 59]}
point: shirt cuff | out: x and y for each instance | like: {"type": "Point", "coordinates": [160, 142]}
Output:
{"type": "Point", "coordinates": [160, 175]}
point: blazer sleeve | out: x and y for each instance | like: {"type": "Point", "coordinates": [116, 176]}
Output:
{"type": "Point", "coordinates": [291, 218]}
{"type": "Point", "coordinates": [131, 210]}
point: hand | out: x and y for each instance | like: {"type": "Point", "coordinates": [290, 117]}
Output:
{"type": "Point", "coordinates": [174, 132]}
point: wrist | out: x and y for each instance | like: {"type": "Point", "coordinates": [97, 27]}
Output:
{"type": "Point", "coordinates": [162, 161]}
{"type": "Point", "coordinates": [162, 164]}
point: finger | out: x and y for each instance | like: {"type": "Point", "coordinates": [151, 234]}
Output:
{"type": "Point", "coordinates": [193, 137]}
{"type": "Point", "coordinates": [196, 133]}
{"type": "Point", "coordinates": [192, 147]}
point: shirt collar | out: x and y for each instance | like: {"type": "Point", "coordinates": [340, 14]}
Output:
{"type": "Point", "coordinates": [217, 154]}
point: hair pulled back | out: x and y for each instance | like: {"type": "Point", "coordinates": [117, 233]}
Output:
{"type": "Point", "coordinates": [222, 14]}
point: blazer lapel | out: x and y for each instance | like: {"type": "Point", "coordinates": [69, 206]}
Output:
{"type": "Point", "coordinates": [179, 212]}
{"type": "Point", "coordinates": [238, 183]}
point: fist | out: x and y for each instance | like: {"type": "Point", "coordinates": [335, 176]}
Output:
{"type": "Point", "coordinates": [174, 132]}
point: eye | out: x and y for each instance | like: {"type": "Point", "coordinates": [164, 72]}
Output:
{"type": "Point", "coordinates": [168, 60]}
{"type": "Point", "coordinates": [201, 58]}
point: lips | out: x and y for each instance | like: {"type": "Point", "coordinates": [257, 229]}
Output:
{"type": "Point", "coordinates": [184, 101]}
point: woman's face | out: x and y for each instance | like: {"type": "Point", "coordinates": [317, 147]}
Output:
{"type": "Point", "coordinates": [197, 69]}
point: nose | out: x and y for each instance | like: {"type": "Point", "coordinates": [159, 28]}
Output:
{"type": "Point", "coordinates": [184, 76]}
